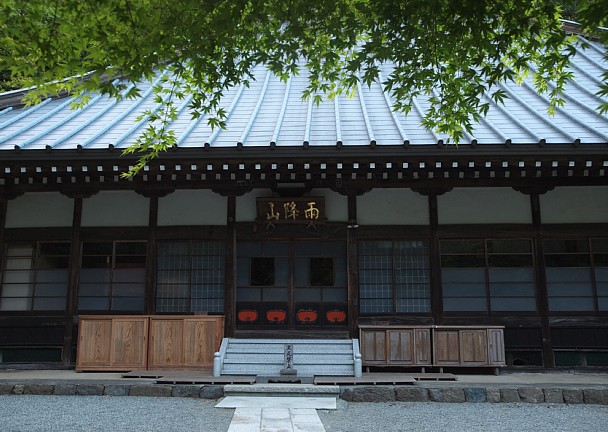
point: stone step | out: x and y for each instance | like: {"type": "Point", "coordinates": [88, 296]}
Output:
{"type": "Point", "coordinates": [297, 349]}
{"type": "Point", "coordinates": [298, 358]}
{"type": "Point", "coordinates": [275, 370]}
{"type": "Point", "coordinates": [284, 390]}
{"type": "Point", "coordinates": [292, 341]}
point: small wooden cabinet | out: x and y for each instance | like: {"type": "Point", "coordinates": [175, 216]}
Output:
{"type": "Point", "coordinates": [468, 346]}
{"type": "Point", "coordinates": [184, 342]}
{"type": "Point", "coordinates": [123, 343]}
{"type": "Point", "coordinates": [112, 343]}
{"type": "Point", "coordinates": [432, 346]}
{"type": "Point", "coordinates": [395, 346]}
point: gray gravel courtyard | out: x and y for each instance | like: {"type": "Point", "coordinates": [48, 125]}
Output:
{"type": "Point", "coordinates": [99, 413]}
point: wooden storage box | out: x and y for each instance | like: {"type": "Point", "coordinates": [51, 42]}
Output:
{"type": "Point", "coordinates": [124, 343]}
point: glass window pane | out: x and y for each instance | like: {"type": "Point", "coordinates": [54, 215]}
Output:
{"type": "Point", "coordinates": [129, 275]}
{"type": "Point", "coordinates": [518, 304]}
{"type": "Point", "coordinates": [464, 290]}
{"type": "Point", "coordinates": [509, 246]}
{"type": "Point", "coordinates": [473, 304]}
{"type": "Point", "coordinates": [511, 274]}
{"type": "Point", "coordinates": [600, 245]}
{"type": "Point", "coordinates": [462, 247]}
{"type": "Point", "coordinates": [462, 261]}
{"type": "Point", "coordinates": [570, 304]}
{"type": "Point", "coordinates": [127, 304]}
{"type": "Point", "coordinates": [464, 275]}
{"type": "Point", "coordinates": [565, 246]}
{"type": "Point", "coordinates": [510, 261]}
{"type": "Point", "coordinates": [51, 290]}
{"type": "Point", "coordinates": [131, 248]}
{"type": "Point", "coordinates": [94, 289]}
{"type": "Point", "coordinates": [20, 250]}
{"type": "Point", "coordinates": [18, 264]}
{"type": "Point", "coordinates": [308, 294]}
{"type": "Point", "coordinates": [94, 303]}
{"type": "Point", "coordinates": [334, 294]}
{"type": "Point", "coordinates": [249, 294]}
{"type": "Point", "coordinates": [49, 303]}
{"type": "Point", "coordinates": [568, 274]}
{"type": "Point", "coordinates": [512, 289]}
{"type": "Point", "coordinates": [15, 304]}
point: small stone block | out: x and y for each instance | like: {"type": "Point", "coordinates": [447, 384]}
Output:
{"type": "Point", "coordinates": [38, 389]}
{"type": "Point", "coordinates": [475, 394]}
{"type": "Point", "coordinates": [531, 394]}
{"type": "Point", "coordinates": [373, 394]}
{"type": "Point", "coordinates": [116, 390]}
{"type": "Point", "coordinates": [411, 394]}
{"type": "Point", "coordinates": [151, 390]}
{"type": "Point", "coordinates": [573, 396]}
{"type": "Point", "coordinates": [90, 389]}
{"type": "Point", "coordinates": [64, 390]}
{"type": "Point", "coordinates": [6, 389]}
{"type": "Point", "coordinates": [191, 391]}
{"type": "Point", "coordinates": [554, 395]}
{"type": "Point", "coordinates": [595, 396]}
{"type": "Point", "coordinates": [447, 394]}
{"type": "Point", "coordinates": [509, 395]}
{"type": "Point", "coordinates": [18, 389]}
{"type": "Point", "coordinates": [289, 372]}
{"type": "Point", "coordinates": [211, 392]}
{"type": "Point", "coordinates": [492, 395]}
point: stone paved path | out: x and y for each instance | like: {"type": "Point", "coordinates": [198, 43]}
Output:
{"type": "Point", "coordinates": [276, 420]}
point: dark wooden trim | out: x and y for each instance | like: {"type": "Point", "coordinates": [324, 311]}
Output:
{"type": "Point", "coordinates": [435, 262]}
{"type": "Point", "coordinates": [197, 232]}
{"type": "Point", "coordinates": [150, 289]}
{"type": "Point", "coordinates": [72, 297]}
{"type": "Point", "coordinates": [230, 268]}
{"type": "Point", "coordinates": [541, 282]}
{"type": "Point", "coordinates": [37, 234]}
{"type": "Point", "coordinates": [352, 267]}
{"type": "Point", "coordinates": [3, 209]}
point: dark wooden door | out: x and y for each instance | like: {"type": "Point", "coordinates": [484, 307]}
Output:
{"type": "Point", "coordinates": [291, 285]}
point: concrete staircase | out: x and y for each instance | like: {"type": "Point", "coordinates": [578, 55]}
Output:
{"type": "Point", "coordinates": [265, 357]}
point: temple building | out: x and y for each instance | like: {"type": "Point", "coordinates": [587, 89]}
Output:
{"type": "Point", "coordinates": [302, 221]}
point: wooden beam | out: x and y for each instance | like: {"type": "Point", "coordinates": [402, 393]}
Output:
{"type": "Point", "coordinates": [435, 262]}
{"type": "Point", "coordinates": [151, 261]}
{"type": "Point", "coordinates": [230, 268]}
{"type": "Point", "coordinates": [352, 267]}
{"type": "Point", "coordinates": [72, 297]}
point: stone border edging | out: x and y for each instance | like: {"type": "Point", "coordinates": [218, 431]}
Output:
{"type": "Point", "coordinates": [452, 394]}
{"type": "Point", "coordinates": [475, 394]}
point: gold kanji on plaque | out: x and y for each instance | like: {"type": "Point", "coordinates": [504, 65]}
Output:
{"type": "Point", "coordinates": [311, 212]}
{"type": "Point", "coordinates": [291, 210]}
{"type": "Point", "coordinates": [272, 215]}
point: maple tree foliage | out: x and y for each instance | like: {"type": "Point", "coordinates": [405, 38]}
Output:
{"type": "Point", "coordinates": [455, 52]}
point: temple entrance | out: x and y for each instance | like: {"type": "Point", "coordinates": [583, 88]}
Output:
{"type": "Point", "coordinates": [290, 285]}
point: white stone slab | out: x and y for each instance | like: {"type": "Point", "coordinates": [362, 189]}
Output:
{"type": "Point", "coordinates": [277, 402]}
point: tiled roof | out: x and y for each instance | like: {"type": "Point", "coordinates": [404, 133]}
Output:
{"type": "Point", "coordinates": [273, 112]}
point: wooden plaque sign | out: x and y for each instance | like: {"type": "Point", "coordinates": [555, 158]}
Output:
{"type": "Point", "coordinates": [276, 211]}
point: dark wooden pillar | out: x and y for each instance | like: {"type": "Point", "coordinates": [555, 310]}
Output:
{"type": "Point", "coordinates": [541, 282]}
{"type": "Point", "coordinates": [150, 290]}
{"type": "Point", "coordinates": [352, 266]}
{"type": "Point", "coordinates": [435, 262]}
{"type": "Point", "coordinates": [72, 297]}
{"type": "Point", "coordinates": [230, 268]}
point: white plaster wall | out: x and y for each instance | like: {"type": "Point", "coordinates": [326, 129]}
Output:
{"type": "Point", "coordinates": [484, 206]}
{"type": "Point", "coordinates": [192, 207]}
{"type": "Point", "coordinates": [246, 206]}
{"type": "Point", "coordinates": [336, 205]}
{"type": "Point", "coordinates": [572, 204]}
{"type": "Point", "coordinates": [392, 207]}
{"type": "Point", "coordinates": [115, 208]}
{"type": "Point", "coordinates": [40, 209]}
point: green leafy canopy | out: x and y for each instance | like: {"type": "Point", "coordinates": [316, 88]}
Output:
{"type": "Point", "coordinates": [456, 52]}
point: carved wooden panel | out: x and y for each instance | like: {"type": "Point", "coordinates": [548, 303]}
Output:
{"type": "Point", "coordinates": [201, 341]}
{"type": "Point", "coordinates": [94, 343]}
{"type": "Point", "coordinates": [166, 343]}
{"type": "Point", "coordinates": [474, 347]}
{"type": "Point", "coordinates": [130, 338]}
{"type": "Point", "coordinates": [401, 347]}
{"type": "Point", "coordinates": [422, 346]}
{"type": "Point", "coordinates": [373, 347]}
{"type": "Point", "coordinates": [446, 347]}
{"type": "Point", "coordinates": [496, 347]}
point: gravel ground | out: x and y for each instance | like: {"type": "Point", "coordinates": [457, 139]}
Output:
{"type": "Point", "coordinates": [469, 417]}
{"type": "Point", "coordinates": [99, 413]}
{"type": "Point", "coordinates": [130, 414]}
